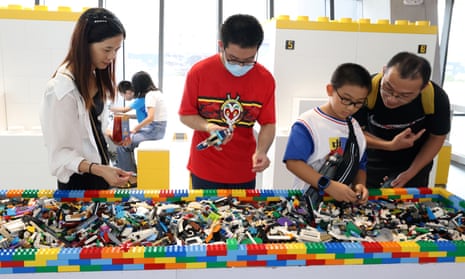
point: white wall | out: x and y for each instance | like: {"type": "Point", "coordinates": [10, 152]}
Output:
{"type": "Point", "coordinates": [30, 51]}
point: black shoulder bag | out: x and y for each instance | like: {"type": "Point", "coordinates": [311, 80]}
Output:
{"type": "Point", "coordinates": [342, 168]}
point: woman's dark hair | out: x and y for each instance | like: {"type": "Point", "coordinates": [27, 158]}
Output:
{"type": "Point", "coordinates": [93, 26]}
{"type": "Point", "coordinates": [242, 30]}
{"type": "Point", "coordinates": [411, 66]}
{"type": "Point", "coordinates": [142, 83]}
{"type": "Point", "coordinates": [351, 74]}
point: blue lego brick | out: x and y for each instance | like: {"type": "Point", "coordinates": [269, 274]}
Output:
{"type": "Point", "coordinates": [3, 193]}
{"type": "Point", "coordinates": [80, 262]}
{"type": "Point", "coordinates": [101, 262]}
{"type": "Point", "coordinates": [247, 258]}
{"type": "Point", "coordinates": [6, 270]}
{"type": "Point", "coordinates": [240, 251]}
{"type": "Point", "coordinates": [180, 193]}
{"type": "Point", "coordinates": [133, 267]}
{"type": "Point", "coordinates": [334, 247]}
{"type": "Point", "coordinates": [391, 261]}
{"type": "Point", "coordinates": [446, 246]}
{"type": "Point", "coordinates": [276, 263]}
{"type": "Point", "coordinates": [24, 269]}
{"type": "Point", "coordinates": [269, 257]}
{"type": "Point", "coordinates": [175, 251]}
{"type": "Point", "coordinates": [78, 194]}
{"type": "Point", "coordinates": [196, 251]}
{"type": "Point", "coordinates": [353, 247]}
{"type": "Point", "coordinates": [112, 267]}
{"type": "Point", "coordinates": [281, 192]}
{"type": "Point", "coordinates": [6, 254]}
{"type": "Point", "coordinates": [60, 194]}
{"type": "Point", "coordinates": [228, 258]}
{"type": "Point", "coordinates": [446, 260]}
{"type": "Point", "coordinates": [69, 253]}
{"type": "Point", "coordinates": [296, 262]}
{"type": "Point", "coordinates": [139, 194]}
{"type": "Point", "coordinates": [363, 255]}
{"type": "Point", "coordinates": [385, 255]}
{"type": "Point", "coordinates": [413, 191]}
{"type": "Point", "coordinates": [58, 262]}
{"type": "Point", "coordinates": [408, 260]}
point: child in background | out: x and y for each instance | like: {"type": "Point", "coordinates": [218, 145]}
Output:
{"type": "Point", "coordinates": [151, 113]}
{"type": "Point", "coordinates": [324, 131]}
{"type": "Point", "coordinates": [126, 89]}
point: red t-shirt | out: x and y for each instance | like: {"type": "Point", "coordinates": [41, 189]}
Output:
{"type": "Point", "coordinates": [215, 94]}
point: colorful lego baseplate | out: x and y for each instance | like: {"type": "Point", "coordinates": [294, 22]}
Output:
{"type": "Point", "coordinates": [231, 253]}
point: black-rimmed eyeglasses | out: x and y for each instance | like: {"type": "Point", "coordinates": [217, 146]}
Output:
{"type": "Point", "coordinates": [349, 102]}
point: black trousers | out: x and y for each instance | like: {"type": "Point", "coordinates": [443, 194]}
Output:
{"type": "Point", "coordinates": [85, 181]}
{"type": "Point", "coordinates": [199, 183]}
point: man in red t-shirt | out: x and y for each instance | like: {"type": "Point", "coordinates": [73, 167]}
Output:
{"type": "Point", "coordinates": [230, 90]}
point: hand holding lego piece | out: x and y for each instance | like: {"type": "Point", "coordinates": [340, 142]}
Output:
{"type": "Point", "coordinates": [216, 138]}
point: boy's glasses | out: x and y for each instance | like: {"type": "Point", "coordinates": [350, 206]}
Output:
{"type": "Point", "coordinates": [349, 102]}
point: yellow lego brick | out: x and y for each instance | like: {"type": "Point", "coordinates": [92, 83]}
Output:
{"type": "Point", "coordinates": [328, 256]}
{"type": "Point", "coordinates": [165, 260]}
{"type": "Point", "coordinates": [443, 163]}
{"type": "Point", "coordinates": [45, 254]}
{"type": "Point", "coordinates": [69, 268]}
{"type": "Point", "coordinates": [296, 248]}
{"type": "Point", "coordinates": [196, 265]}
{"type": "Point", "coordinates": [353, 261]}
{"type": "Point", "coordinates": [409, 246]}
{"type": "Point", "coordinates": [134, 252]}
{"type": "Point", "coordinates": [35, 263]}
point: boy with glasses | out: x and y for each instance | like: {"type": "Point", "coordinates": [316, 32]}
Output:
{"type": "Point", "coordinates": [406, 121]}
{"type": "Point", "coordinates": [328, 132]}
{"type": "Point", "coordinates": [230, 91]}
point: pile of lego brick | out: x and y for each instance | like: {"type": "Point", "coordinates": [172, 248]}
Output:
{"type": "Point", "coordinates": [42, 231]}
{"type": "Point", "coordinates": [42, 222]}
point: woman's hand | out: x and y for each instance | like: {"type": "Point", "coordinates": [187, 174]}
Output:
{"type": "Point", "coordinates": [115, 177]}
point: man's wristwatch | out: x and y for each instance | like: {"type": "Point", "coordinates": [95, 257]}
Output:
{"type": "Point", "coordinates": [323, 183]}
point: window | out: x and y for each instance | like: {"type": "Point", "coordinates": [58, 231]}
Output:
{"type": "Point", "coordinates": [190, 35]}
{"type": "Point", "coordinates": [454, 80]}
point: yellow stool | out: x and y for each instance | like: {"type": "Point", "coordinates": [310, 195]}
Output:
{"type": "Point", "coordinates": [153, 165]}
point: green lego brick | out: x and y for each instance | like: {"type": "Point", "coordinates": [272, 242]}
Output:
{"type": "Point", "coordinates": [40, 269]}
{"type": "Point", "coordinates": [216, 264]}
{"type": "Point", "coordinates": [315, 248]}
{"type": "Point", "coordinates": [232, 244]}
{"type": "Point", "coordinates": [427, 246]}
{"type": "Point", "coordinates": [372, 261]}
{"type": "Point", "coordinates": [91, 268]}
{"type": "Point", "coordinates": [154, 252]}
{"type": "Point", "coordinates": [186, 259]}
{"type": "Point", "coordinates": [345, 256]}
{"type": "Point", "coordinates": [25, 255]}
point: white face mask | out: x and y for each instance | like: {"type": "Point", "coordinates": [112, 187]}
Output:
{"type": "Point", "coordinates": [236, 69]}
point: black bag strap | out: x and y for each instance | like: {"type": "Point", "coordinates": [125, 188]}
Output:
{"type": "Point", "coordinates": [348, 168]}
